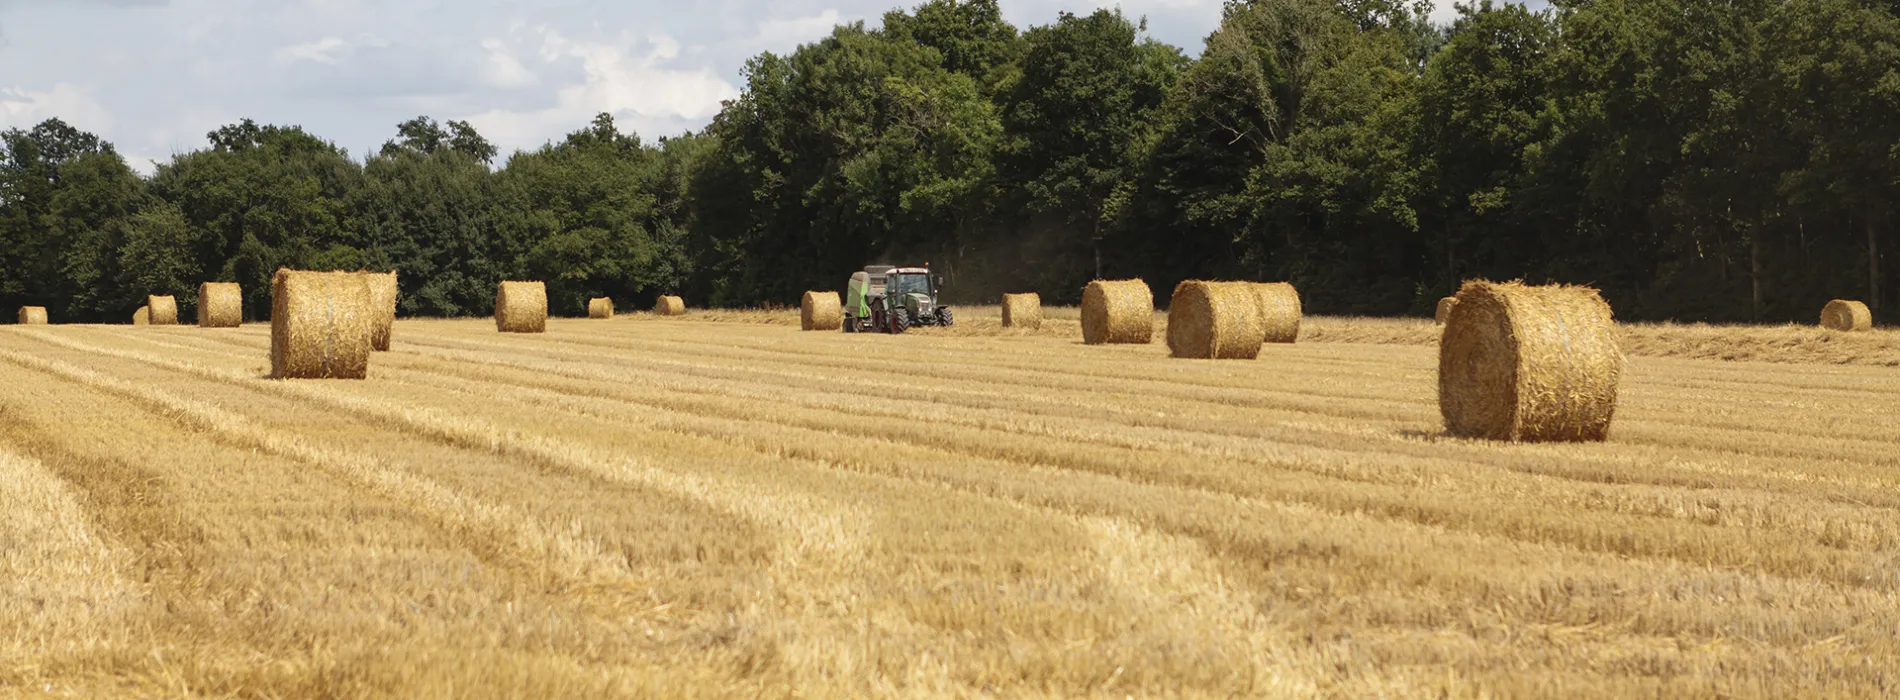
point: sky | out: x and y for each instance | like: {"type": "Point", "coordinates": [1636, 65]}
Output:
{"type": "Point", "coordinates": [154, 76]}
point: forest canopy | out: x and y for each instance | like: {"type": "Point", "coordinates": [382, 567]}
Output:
{"type": "Point", "coordinates": [1695, 160]}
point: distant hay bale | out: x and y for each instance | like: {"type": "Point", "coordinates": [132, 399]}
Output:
{"type": "Point", "coordinates": [600, 307]}
{"type": "Point", "coordinates": [220, 305]}
{"type": "Point", "coordinates": [521, 307]}
{"type": "Point", "coordinates": [1215, 321]}
{"type": "Point", "coordinates": [382, 306]}
{"type": "Point", "coordinates": [32, 315]}
{"type": "Point", "coordinates": [1279, 311]}
{"type": "Point", "coordinates": [1844, 315]}
{"type": "Point", "coordinates": [164, 310]}
{"type": "Point", "coordinates": [142, 317]}
{"type": "Point", "coordinates": [669, 306]}
{"type": "Point", "coordinates": [1118, 311]}
{"type": "Point", "coordinates": [820, 311]}
{"type": "Point", "coordinates": [320, 324]}
{"type": "Point", "coordinates": [1527, 363]}
{"type": "Point", "coordinates": [1022, 311]}
{"type": "Point", "coordinates": [1444, 309]}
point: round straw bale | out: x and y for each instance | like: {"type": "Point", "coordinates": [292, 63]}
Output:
{"type": "Point", "coordinates": [32, 315]}
{"type": "Point", "coordinates": [382, 306]}
{"type": "Point", "coordinates": [1119, 311]}
{"type": "Point", "coordinates": [220, 305]}
{"type": "Point", "coordinates": [320, 325]}
{"type": "Point", "coordinates": [820, 311]}
{"type": "Point", "coordinates": [1444, 309]}
{"type": "Point", "coordinates": [1022, 311]}
{"type": "Point", "coordinates": [142, 317]}
{"type": "Point", "coordinates": [1536, 364]}
{"type": "Point", "coordinates": [164, 310]}
{"type": "Point", "coordinates": [669, 306]}
{"type": "Point", "coordinates": [600, 307]}
{"type": "Point", "coordinates": [1844, 315]}
{"type": "Point", "coordinates": [1279, 311]}
{"type": "Point", "coordinates": [521, 307]}
{"type": "Point", "coordinates": [1215, 320]}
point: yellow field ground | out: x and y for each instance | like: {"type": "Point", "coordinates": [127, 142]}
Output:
{"type": "Point", "coordinates": [688, 508]}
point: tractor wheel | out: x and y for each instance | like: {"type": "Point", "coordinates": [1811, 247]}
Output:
{"type": "Point", "coordinates": [944, 318]}
{"type": "Point", "coordinates": [900, 320]}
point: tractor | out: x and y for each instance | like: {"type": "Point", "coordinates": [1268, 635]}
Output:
{"type": "Point", "coordinates": [885, 299]}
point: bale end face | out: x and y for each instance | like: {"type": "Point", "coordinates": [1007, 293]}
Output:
{"type": "Point", "coordinates": [142, 317]}
{"type": "Point", "coordinates": [1215, 321]}
{"type": "Point", "coordinates": [220, 305]}
{"type": "Point", "coordinates": [669, 306]}
{"type": "Point", "coordinates": [1022, 311]}
{"type": "Point", "coordinates": [163, 310]}
{"type": "Point", "coordinates": [32, 316]}
{"type": "Point", "coordinates": [1118, 312]}
{"type": "Point", "coordinates": [600, 307]}
{"type": "Point", "coordinates": [320, 325]}
{"type": "Point", "coordinates": [820, 311]}
{"type": "Point", "coordinates": [1525, 363]}
{"type": "Point", "coordinates": [521, 307]}
{"type": "Point", "coordinates": [1845, 315]}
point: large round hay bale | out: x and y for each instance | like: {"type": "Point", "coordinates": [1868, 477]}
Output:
{"type": "Point", "coordinates": [1279, 311]}
{"type": "Point", "coordinates": [521, 307]}
{"type": "Point", "coordinates": [669, 306]}
{"type": "Point", "coordinates": [382, 303]}
{"type": "Point", "coordinates": [164, 310]}
{"type": "Point", "coordinates": [1022, 311]}
{"type": "Point", "coordinates": [600, 307]}
{"type": "Point", "coordinates": [220, 305]}
{"type": "Point", "coordinates": [1844, 315]}
{"type": "Point", "coordinates": [32, 315]}
{"type": "Point", "coordinates": [1118, 311]}
{"type": "Point", "coordinates": [1215, 321]}
{"type": "Point", "coordinates": [820, 311]}
{"type": "Point", "coordinates": [142, 317]}
{"type": "Point", "coordinates": [1444, 309]}
{"type": "Point", "coordinates": [320, 325]}
{"type": "Point", "coordinates": [1518, 362]}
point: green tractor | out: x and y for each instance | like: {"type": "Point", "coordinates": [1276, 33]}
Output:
{"type": "Point", "coordinates": [885, 299]}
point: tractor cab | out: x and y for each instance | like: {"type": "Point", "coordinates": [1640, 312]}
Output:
{"type": "Point", "coordinates": [886, 299]}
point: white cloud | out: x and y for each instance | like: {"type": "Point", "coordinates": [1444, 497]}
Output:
{"type": "Point", "coordinates": [503, 70]}
{"type": "Point", "coordinates": [76, 105]}
{"type": "Point", "coordinates": [783, 35]}
{"type": "Point", "coordinates": [323, 50]}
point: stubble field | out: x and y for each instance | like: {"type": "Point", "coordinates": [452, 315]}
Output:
{"type": "Point", "coordinates": [702, 508]}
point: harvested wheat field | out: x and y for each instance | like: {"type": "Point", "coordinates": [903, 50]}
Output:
{"type": "Point", "coordinates": [714, 508]}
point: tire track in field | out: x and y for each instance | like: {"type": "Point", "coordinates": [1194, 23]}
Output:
{"type": "Point", "coordinates": [1386, 491]}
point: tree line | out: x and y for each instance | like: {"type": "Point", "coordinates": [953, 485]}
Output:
{"type": "Point", "coordinates": [1718, 160]}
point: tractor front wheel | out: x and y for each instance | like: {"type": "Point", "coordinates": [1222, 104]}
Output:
{"type": "Point", "coordinates": [900, 320]}
{"type": "Point", "coordinates": [944, 318]}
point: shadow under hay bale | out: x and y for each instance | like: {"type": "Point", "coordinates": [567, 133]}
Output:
{"type": "Point", "coordinates": [600, 307]}
{"type": "Point", "coordinates": [1118, 312]}
{"type": "Point", "coordinates": [1215, 321]}
{"type": "Point", "coordinates": [32, 316]}
{"type": "Point", "coordinates": [163, 310]}
{"type": "Point", "coordinates": [1444, 309]}
{"type": "Point", "coordinates": [220, 305]}
{"type": "Point", "coordinates": [1022, 311]}
{"type": "Point", "coordinates": [1280, 311]}
{"type": "Point", "coordinates": [319, 325]}
{"type": "Point", "coordinates": [1844, 315]}
{"type": "Point", "coordinates": [521, 307]}
{"type": "Point", "coordinates": [820, 311]}
{"type": "Point", "coordinates": [1525, 363]}
{"type": "Point", "coordinates": [669, 306]}
{"type": "Point", "coordinates": [382, 302]}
